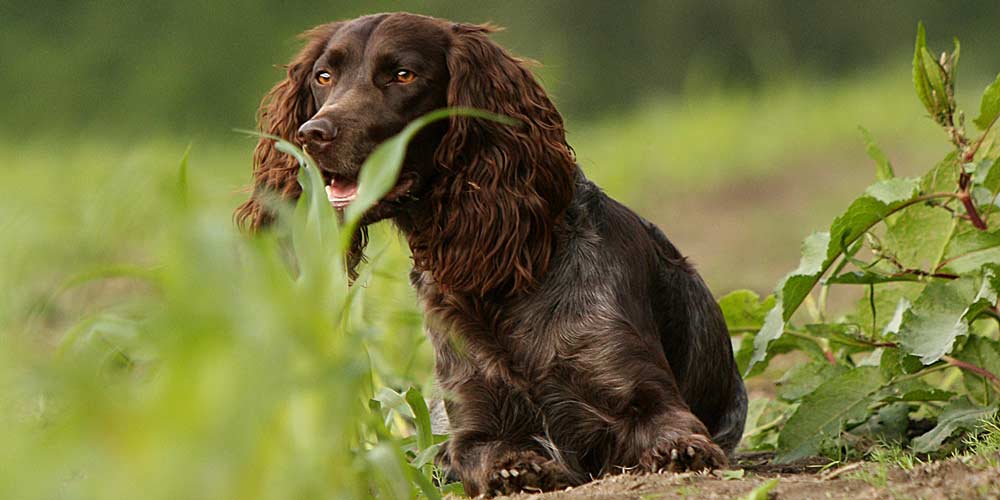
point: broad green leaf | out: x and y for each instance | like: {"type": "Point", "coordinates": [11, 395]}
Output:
{"type": "Point", "coordinates": [984, 353]}
{"type": "Point", "coordinates": [989, 106]}
{"type": "Point", "coordinates": [971, 250]}
{"type": "Point", "coordinates": [912, 390]}
{"type": "Point", "coordinates": [803, 379]}
{"type": "Point", "coordinates": [744, 310]}
{"type": "Point", "coordinates": [961, 414]}
{"type": "Point", "coordinates": [798, 283]}
{"type": "Point", "coordinates": [930, 327]}
{"type": "Point", "coordinates": [774, 326]}
{"type": "Point", "coordinates": [917, 236]}
{"type": "Point", "coordinates": [889, 424]}
{"type": "Point", "coordinates": [883, 168]}
{"type": "Point", "coordinates": [895, 362]}
{"type": "Point", "coordinates": [892, 327]}
{"type": "Point", "coordinates": [943, 177]}
{"type": "Point", "coordinates": [893, 189]}
{"type": "Point", "coordinates": [825, 411]}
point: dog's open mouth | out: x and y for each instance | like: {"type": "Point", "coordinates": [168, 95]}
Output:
{"type": "Point", "coordinates": [341, 191]}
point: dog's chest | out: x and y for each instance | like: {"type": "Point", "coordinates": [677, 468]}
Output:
{"type": "Point", "coordinates": [527, 341]}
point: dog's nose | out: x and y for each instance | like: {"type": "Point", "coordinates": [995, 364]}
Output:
{"type": "Point", "coordinates": [317, 130]}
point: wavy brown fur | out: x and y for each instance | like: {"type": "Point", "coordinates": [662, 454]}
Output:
{"type": "Point", "coordinates": [492, 219]}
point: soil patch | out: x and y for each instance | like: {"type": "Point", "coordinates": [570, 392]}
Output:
{"type": "Point", "coordinates": [963, 478]}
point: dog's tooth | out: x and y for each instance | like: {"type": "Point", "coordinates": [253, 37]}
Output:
{"type": "Point", "coordinates": [690, 451]}
{"type": "Point", "coordinates": [514, 473]}
{"type": "Point", "coordinates": [536, 467]}
{"type": "Point", "coordinates": [673, 454]}
{"type": "Point", "coordinates": [504, 473]}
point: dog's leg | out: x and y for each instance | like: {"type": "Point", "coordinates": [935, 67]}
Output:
{"type": "Point", "coordinates": [494, 448]}
{"type": "Point", "coordinates": [663, 433]}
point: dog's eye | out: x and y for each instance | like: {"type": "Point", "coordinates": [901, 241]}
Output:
{"type": "Point", "coordinates": [403, 76]}
{"type": "Point", "coordinates": [324, 78]}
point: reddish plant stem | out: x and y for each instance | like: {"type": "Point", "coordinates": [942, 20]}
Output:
{"type": "Point", "coordinates": [970, 208]}
{"type": "Point", "coordinates": [982, 372]}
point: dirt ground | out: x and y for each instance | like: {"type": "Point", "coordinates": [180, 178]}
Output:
{"type": "Point", "coordinates": [955, 478]}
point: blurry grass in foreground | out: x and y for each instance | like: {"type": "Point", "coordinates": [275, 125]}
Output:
{"type": "Point", "coordinates": [147, 350]}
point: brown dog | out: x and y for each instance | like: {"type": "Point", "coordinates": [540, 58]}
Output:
{"type": "Point", "coordinates": [572, 339]}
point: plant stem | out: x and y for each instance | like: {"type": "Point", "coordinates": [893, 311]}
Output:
{"type": "Point", "coordinates": [982, 372]}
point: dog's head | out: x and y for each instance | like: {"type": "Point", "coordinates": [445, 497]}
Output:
{"type": "Point", "coordinates": [481, 196]}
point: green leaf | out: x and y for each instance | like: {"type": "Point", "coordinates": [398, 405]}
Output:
{"type": "Point", "coordinates": [930, 327]}
{"type": "Point", "coordinates": [961, 414]}
{"type": "Point", "coordinates": [381, 169]}
{"type": "Point", "coordinates": [869, 278]}
{"type": "Point", "coordinates": [895, 362]}
{"type": "Point", "coordinates": [387, 468]}
{"type": "Point", "coordinates": [844, 334]}
{"type": "Point", "coordinates": [917, 236]}
{"type": "Point", "coordinates": [920, 81]}
{"type": "Point", "coordinates": [989, 106]}
{"type": "Point", "coordinates": [938, 81]}
{"type": "Point", "coordinates": [943, 177]}
{"type": "Point", "coordinates": [425, 484]}
{"type": "Point", "coordinates": [820, 250]}
{"type": "Point", "coordinates": [426, 455]}
{"type": "Point", "coordinates": [912, 390]}
{"type": "Point", "coordinates": [422, 417]}
{"type": "Point", "coordinates": [762, 492]}
{"type": "Point", "coordinates": [883, 168]}
{"type": "Point", "coordinates": [182, 177]}
{"type": "Point", "coordinates": [984, 353]}
{"type": "Point", "coordinates": [392, 400]}
{"type": "Point", "coordinates": [971, 250]}
{"type": "Point", "coordinates": [825, 411]}
{"type": "Point", "coordinates": [889, 424]}
{"type": "Point", "coordinates": [744, 310]}
{"type": "Point", "coordinates": [803, 379]}
{"type": "Point", "coordinates": [774, 326]}
{"type": "Point", "coordinates": [798, 283]}
{"type": "Point", "coordinates": [892, 190]}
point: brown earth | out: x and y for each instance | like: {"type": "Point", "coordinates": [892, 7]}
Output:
{"type": "Point", "coordinates": [964, 478]}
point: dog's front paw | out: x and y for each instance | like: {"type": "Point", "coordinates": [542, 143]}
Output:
{"type": "Point", "coordinates": [692, 452]}
{"type": "Point", "coordinates": [525, 471]}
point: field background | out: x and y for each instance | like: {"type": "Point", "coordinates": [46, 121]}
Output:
{"type": "Point", "coordinates": [732, 125]}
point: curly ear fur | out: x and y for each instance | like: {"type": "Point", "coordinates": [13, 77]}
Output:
{"type": "Point", "coordinates": [282, 111]}
{"type": "Point", "coordinates": [504, 186]}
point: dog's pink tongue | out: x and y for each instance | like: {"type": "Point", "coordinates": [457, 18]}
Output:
{"type": "Point", "coordinates": [341, 193]}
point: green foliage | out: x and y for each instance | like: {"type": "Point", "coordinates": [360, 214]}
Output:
{"type": "Point", "coordinates": [762, 492]}
{"type": "Point", "coordinates": [237, 364]}
{"type": "Point", "coordinates": [925, 252]}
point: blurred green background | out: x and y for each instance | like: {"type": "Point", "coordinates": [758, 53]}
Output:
{"type": "Point", "coordinates": [686, 110]}
{"type": "Point", "coordinates": [732, 125]}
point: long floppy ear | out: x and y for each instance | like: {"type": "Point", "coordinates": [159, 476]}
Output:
{"type": "Point", "coordinates": [283, 110]}
{"type": "Point", "coordinates": [505, 186]}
